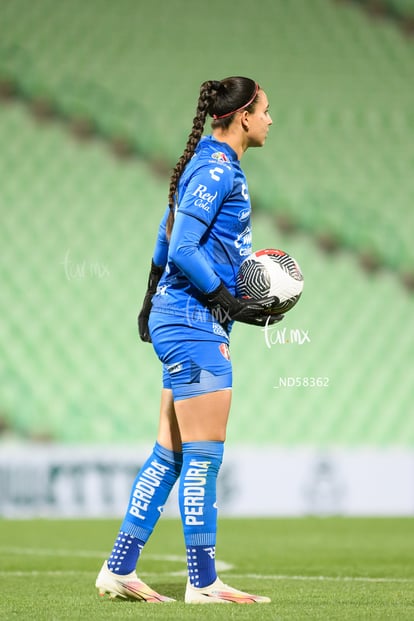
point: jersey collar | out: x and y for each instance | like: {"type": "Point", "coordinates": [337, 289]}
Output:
{"type": "Point", "coordinates": [212, 144]}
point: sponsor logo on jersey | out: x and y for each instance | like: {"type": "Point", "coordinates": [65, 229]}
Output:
{"type": "Point", "coordinates": [244, 214]}
{"type": "Point", "coordinates": [174, 368]}
{"type": "Point", "coordinates": [243, 242]}
{"type": "Point", "coordinates": [203, 198]}
{"type": "Point", "coordinates": [219, 156]}
{"type": "Point", "coordinates": [224, 350]}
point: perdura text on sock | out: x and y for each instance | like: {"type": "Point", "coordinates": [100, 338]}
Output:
{"type": "Point", "coordinates": [194, 492]}
{"type": "Point", "coordinates": [145, 488]}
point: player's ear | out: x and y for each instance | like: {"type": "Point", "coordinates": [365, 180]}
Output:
{"type": "Point", "coordinates": [244, 120]}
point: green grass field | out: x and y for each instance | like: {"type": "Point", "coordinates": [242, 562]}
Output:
{"type": "Point", "coordinates": [312, 568]}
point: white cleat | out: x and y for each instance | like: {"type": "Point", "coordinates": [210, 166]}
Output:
{"type": "Point", "coordinates": [220, 593]}
{"type": "Point", "coordinates": [127, 587]}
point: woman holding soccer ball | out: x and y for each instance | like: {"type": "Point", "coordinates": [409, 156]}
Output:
{"type": "Point", "coordinates": [188, 312]}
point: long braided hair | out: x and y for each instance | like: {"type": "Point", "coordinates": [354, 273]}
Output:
{"type": "Point", "coordinates": [221, 100]}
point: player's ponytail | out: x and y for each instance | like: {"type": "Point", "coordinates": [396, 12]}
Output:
{"type": "Point", "coordinates": [208, 91]}
{"type": "Point", "coordinates": [221, 100]}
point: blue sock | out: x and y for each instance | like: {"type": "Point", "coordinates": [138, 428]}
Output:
{"type": "Point", "coordinates": [149, 493]}
{"type": "Point", "coordinates": [197, 498]}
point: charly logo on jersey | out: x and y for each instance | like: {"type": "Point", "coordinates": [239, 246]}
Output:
{"type": "Point", "coordinates": [215, 173]}
{"type": "Point", "coordinates": [243, 242]}
{"type": "Point", "coordinates": [204, 199]}
{"type": "Point", "coordinates": [242, 189]}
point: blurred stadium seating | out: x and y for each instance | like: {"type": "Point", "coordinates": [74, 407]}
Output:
{"type": "Point", "coordinates": [388, 8]}
{"type": "Point", "coordinates": [78, 225]}
{"type": "Point", "coordinates": [403, 7]}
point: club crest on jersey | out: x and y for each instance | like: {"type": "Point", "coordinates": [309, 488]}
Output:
{"type": "Point", "coordinates": [224, 350]}
{"type": "Point", "coordinates": [219, 156]}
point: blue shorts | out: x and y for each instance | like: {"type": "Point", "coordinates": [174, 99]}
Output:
{"type": "Point", "coordinates": [193, 364]}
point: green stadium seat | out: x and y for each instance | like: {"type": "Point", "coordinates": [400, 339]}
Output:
{"type": "Point", "coordinates": [78, 225]}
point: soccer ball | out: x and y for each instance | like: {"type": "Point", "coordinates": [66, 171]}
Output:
{"type": "Point", "coordinates": [271, 272]}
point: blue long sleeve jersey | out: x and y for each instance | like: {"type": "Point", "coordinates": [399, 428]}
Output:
{"type": "Point", "coordinates": [211, 234]}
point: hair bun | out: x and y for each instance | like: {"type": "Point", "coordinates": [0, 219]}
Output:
{"type": "Point", "coordinates": [215, 85]}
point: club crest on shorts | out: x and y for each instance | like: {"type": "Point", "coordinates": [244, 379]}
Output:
{"type": "Point", "coordinates": [224, 351]}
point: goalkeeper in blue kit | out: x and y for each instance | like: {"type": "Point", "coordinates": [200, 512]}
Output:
{"type": "Point", "coordinates": [188, 313]}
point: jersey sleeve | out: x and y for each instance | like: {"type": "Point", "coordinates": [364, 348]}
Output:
{"type": "Point", "coordinates": [160, 254]}
{"type": "Point", "coordinates": [186, 255]}
{"type": "Point", "coordinates": [206, 191]}
{"type": "Point", "coordinates": [199, 202]}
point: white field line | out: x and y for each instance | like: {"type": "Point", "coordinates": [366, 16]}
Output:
{"type": "Point", "coordinates": [221, 566]}
{"type": "Point", "coordinates": [158, 575]}
{"type": "Point", "coordinates": [322, 578]}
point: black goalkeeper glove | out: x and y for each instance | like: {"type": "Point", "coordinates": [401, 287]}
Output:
{"type": "Point", "coordinates": [153, 280]}
{"type": "Point", "coordinates": [225, 307]}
